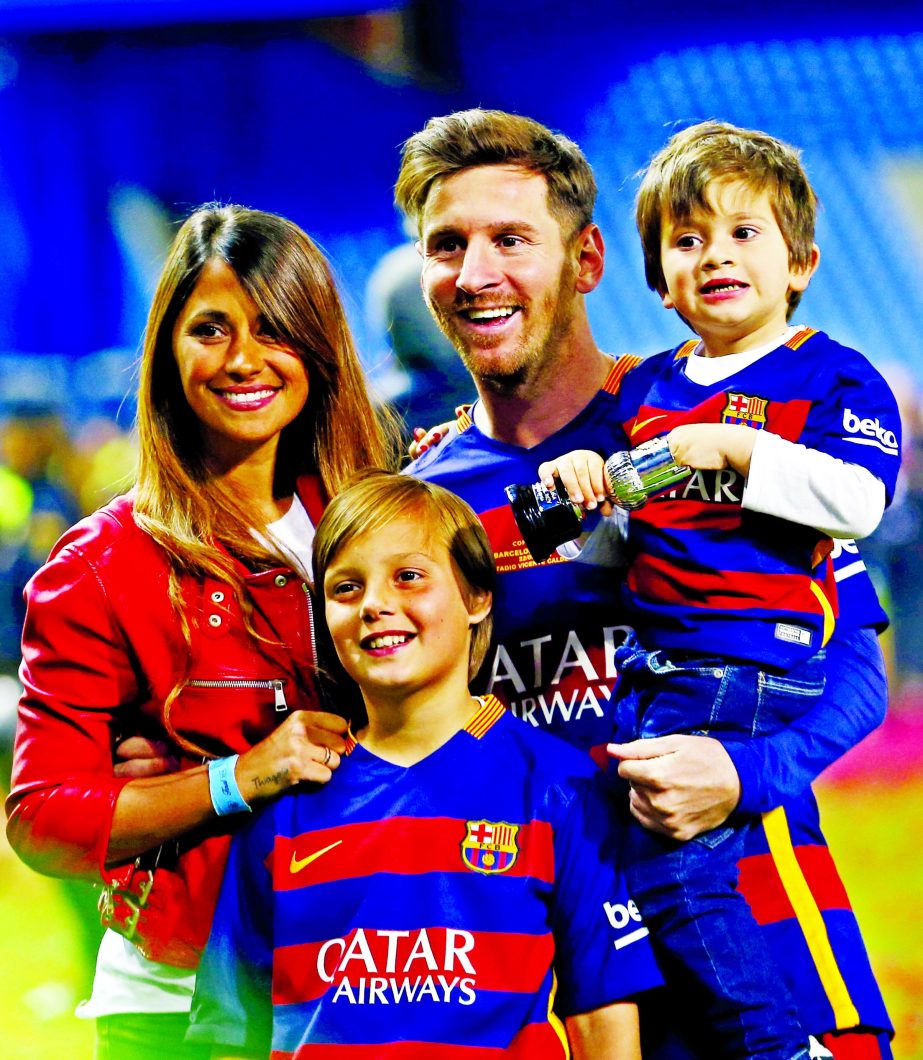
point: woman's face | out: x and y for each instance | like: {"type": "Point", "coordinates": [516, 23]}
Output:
{"type": "Point", "coordinates": [242, 381]}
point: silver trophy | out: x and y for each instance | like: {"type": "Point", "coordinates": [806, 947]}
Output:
{"type": "Point", "coordinates": [640, 473]}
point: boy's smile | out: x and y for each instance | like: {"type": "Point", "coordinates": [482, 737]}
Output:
{"type": "Point", "coordinates": [728, 270]}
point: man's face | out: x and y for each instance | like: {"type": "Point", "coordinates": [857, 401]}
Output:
{"type": "Point", "coordinates": [496, 274]}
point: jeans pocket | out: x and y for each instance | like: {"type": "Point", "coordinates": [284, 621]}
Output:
{"type": "Point", "coordinates": [785, 697]}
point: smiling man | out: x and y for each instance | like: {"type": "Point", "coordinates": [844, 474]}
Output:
{"type": "Point", "coordinates": [504, 211]}
{"type": "Point", "coordinates": [509, 251]}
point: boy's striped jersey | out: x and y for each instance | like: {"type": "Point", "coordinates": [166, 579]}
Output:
{"type": "Point", "coordinates": [465, 903]}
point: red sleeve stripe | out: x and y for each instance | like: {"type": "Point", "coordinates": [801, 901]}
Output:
{"type": "Point", "coordinates": [761, 884]}
{"type": "Point", "coordinates": [537, 1041]}
{"type": "Point", "coordinates": [667, 583]}
{"type": "Point", "coordinates": [622, 366]}
{"type": "Point", "coordinates": [405, 846]}
{"type": "Point", "coordinates": [401, 961]}
{"type": "Point", "coordinates": [490, 712]}
{"type": "Point", "coordinates": [686, 349]}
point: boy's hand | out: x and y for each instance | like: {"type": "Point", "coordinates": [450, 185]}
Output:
{"type": "Point", "coordinates": [583, 474]}
{"type": "Point", "coordinates": [713, 446]}
{"type": "Point", "coordinates": [681, 786]}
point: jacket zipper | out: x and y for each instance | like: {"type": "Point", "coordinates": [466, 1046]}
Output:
{"type": "Point", "coordinates": [277, 685]}
{"type": "Point", "coordinates": [308, 597]}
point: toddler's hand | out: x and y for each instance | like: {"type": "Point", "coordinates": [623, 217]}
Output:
{"type": "Point", "coordinates": [582, 473]}
{"type": "Point", "coordinates": [713, 446]}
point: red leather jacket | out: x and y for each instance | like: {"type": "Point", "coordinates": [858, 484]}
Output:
{"type": "Point", "coordinates": [102, 650]}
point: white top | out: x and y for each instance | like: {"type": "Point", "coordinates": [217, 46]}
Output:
{"type": "Point", "coordinates": [292, 537]}
{"type": "Point", "coordinates": [125, 981]}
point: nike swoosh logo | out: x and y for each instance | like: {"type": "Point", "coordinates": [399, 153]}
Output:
{"type": "Point", "coordinates": [302, 863]}
{"type": "Point", "coordinates": [640, 426]}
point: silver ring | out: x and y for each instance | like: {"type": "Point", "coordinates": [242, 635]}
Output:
{"type": "Point", "coordinates": [326, 760]}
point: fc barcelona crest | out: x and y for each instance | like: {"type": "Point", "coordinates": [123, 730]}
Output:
{"type": "Point", "coordinates": [749, 411]}
{"type": "Point", "coordinates": [490, 846]}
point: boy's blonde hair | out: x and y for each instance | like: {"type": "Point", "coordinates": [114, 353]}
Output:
{"type": "Point", "coordinates": [468, 138]}
{"type": "Point", "coordinates": [376, 498]}
{"type": "Point", "coordinates": [676, 181]}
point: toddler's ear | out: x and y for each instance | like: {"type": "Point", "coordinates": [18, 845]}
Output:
{"type": "Point", "coordinates": [801, 275]}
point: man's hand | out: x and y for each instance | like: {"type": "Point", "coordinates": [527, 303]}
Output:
{"type": "Point", "coordinates": [680, 785]}
{"type": "Point", "coordinates": [137, 756]}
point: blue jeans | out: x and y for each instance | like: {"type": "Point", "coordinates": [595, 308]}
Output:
{"type": "Point", "coordinates": [704, 931]}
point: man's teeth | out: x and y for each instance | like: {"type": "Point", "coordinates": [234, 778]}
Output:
{"type": "Point", "coordinates": [725, 286]}
{"type": "Point", "coordinates": [490, 314]}
{"type": "Point", "coordinates": [389, 641]}
{"type": "Point", "coordinates": [251, 397]}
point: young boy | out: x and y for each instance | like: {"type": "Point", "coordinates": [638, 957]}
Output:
{"type": "Point", "coordinates": [457, 889]}
{"type": "Point", "coordinates": [793, 439]}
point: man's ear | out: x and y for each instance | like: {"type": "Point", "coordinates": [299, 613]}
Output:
{"type": "Point", "coordinates": [590, 252]}
{"type": "Point", "coordinates": [800, 275]}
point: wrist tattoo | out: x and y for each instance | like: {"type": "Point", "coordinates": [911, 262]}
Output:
{"type": "Point", "coordinates": [274, 778]}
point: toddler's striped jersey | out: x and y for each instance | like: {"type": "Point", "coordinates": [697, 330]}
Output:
{"type": "Point", "coordinates": [710, 577]}
{"type": "Point", "coordinates": [436, 910]}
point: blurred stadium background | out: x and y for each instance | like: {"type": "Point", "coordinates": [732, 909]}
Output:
{"type": "Point", "coordinates": [118, 116]}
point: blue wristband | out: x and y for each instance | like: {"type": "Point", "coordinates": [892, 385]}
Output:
{"type": "Point", "coordinates": [222, 786]}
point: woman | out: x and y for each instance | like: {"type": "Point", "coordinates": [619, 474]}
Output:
{"type": "Point", "coordinates": [181, 611]}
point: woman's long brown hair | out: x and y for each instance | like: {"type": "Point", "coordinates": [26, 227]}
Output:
{"type": "Point", "coordinates": [179, 500]}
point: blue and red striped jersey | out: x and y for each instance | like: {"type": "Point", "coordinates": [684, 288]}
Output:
{"type": "Point", "coordinates": [555, 622]}
{"type": "Point", "coordinates": [708, 576]}
{"type": "Point", "coordinates": [458, 907]}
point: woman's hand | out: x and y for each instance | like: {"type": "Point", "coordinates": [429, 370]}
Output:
{"type": "Point", "coordinates": [306, 746]}
{"type": "Point", "coordinates": [426, 439]}
{"type": "Point", "coordinates": [151, 810]}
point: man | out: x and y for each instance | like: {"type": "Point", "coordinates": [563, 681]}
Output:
{"type": "Point", "coordinates": [504, 210]}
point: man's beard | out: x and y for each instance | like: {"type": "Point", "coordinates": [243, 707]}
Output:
{"type": "Point", "coordinates": [534, 353]}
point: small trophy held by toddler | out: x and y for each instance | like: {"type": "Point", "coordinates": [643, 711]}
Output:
{"type": "Point", "coordinates": [548, 517]}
